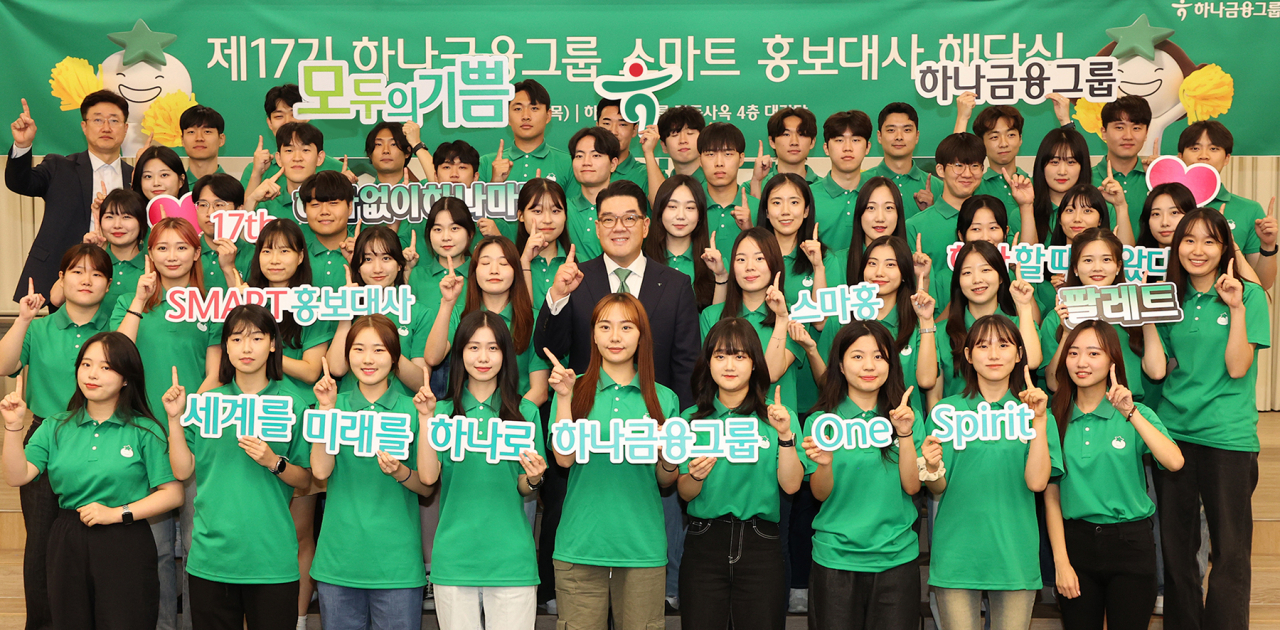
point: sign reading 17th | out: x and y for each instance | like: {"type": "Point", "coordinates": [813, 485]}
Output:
{"type": "Point", "coordinates": [474, 92]}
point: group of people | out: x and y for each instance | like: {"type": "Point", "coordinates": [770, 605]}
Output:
{"type": "Point", "coordinates": [669, 291]}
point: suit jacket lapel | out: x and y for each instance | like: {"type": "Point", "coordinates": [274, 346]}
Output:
{"type": "Point", "coordinates": [84, 169]}
{"type": "Point", "coordinates": [650, 284]}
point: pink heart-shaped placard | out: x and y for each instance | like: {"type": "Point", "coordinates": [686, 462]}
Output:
{"type": "Point", "coordinates": [1201, 179]}
{"type": "Point", "coordinates": [166, 206]}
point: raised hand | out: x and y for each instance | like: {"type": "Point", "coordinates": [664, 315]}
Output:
{"type": "Point", "coordinates": [921, 264]}
{"type": "Point", "coordinates": [13, 407]}
{"type": "Point", "coordinates": [261, 159]}
{"type": "Point", "coordinates": [451, 286]}
{"type": "Point", "coordinates": [326, 389]}
{"type": "Point", "coordinates": [923, 304]}
{"type": "Point", "coordinates": [1061, 108]}
{"type": "Point", "coordinates": [742, 213]}
{"type": "Point", "coordinates": [561, 379]}
{"type": "Point", "coordinates": [779, 417]}
{"type": "Point", "coordinates": [1064, 315]}
{"type": "Point", "coordinates": [1266, 227]}
{"type": "Point", "coordinates": [1033, 396]}
{"type": "Point", "coordinates": [649, 139]}
{"type": "Point", "coordinates": [425, 401]}
{"type": "Point", "coordinates": [1230, 290]}
{"type": "Point", "coordinates": [151, 142]}
{"type": "Point", "coordinates": [799, 333]}
{"type": "Point", "coordinates": [775, 300]}
{"type": "Point", "coordinates": [24, 128]}
{"type": "Point", "coordinates": [175, 398]}
{"type": "Point", "coordinates": [568, 277]}
{"type": "Point", "coordinates": [1118, 395]}
{"type": "Point", "coordinates": [488, 227]}
{"type": "Point", "coordinates": [346, 171]}
{"type": "Point", "coordinates": [1111, 190]}
{"type": "Point", "coordinates": [348, 246]}
{"type": "Point", "coordinates": [964, 107]}
{"type": "Point", "coordinates": [902, 417]}
{"type": "Point", "coordinates": [95, 209]}
{"type": "Point", "coordinates": [1021, 290]}
{"type": "Point", "coordinates": [924, 196]}
{"type": "Point", "coordinates": [700, 467]}
{"type": "Point", "coordinates": [266, 191]}
{"type": "Point", "coordinates": [412, 133]}
{"type": "Point", "coordinates": [812, 248]}
{"type": "Point", "coordinates": [227, 251]}
{"type": "Point", "coordinates": [411, 252]}
{"type": "Point", "coordinates": [30, 303]}
{"type": "Point", "coordinates": [715, 262]}
{"type": "Point", "coordinates": [149, 280]}
{"type": "Point", "coordinates": [815, 454]}
{"type": "Point", "coordinates": [764, 162]}
{"type": "Point", "coordinates": [501, 165]}
{"type": "Point", "coordinates": [931, 451]}
{"type": "Point", "coordinates": [532, 247]}
{"type": "Point", "coordinates": [1019, 187]}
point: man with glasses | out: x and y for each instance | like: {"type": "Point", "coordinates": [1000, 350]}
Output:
{"type": "Point", "coordinates": [220, 259]}
{"type": "Point", "coordinates": [68, 184]}
{"type": "Point", "coordinates": [959, 166]}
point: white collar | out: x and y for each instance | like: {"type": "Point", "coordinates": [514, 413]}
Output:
{"type": "Point", "coordinates": [636, 267]}
{"type": "Point", "coordinates": [95, 163]}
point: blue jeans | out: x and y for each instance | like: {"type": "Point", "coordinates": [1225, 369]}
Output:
{"type": "Point", "coordinates": [164, 530]}
{"type": "Point", "coordinates": [345, 608]}
{"type": "Point", "coordinates": [673, 518]}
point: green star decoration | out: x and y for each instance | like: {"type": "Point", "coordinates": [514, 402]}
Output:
{"type": "Point", "coordinates": [1139, 38]}
{"type": "Point", "coordinates": [142, 44]}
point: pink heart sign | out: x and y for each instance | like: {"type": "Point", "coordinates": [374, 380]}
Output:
{"type": "Point", "coordinates": [164, 206]}
{"type": "Point", "coordinates": [1201, 179]}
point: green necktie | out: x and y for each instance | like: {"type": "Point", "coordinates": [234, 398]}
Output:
{"type": "Point", "coordinates": [622, 274]}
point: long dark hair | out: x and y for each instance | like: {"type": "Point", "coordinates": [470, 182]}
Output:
{"type": "Point", "coordinates": [857, 244]}
{"type": "Point", "coordinates": [1218, 229]}
{"type": "Point", "coordinates": [801, 266]}
{"type": "Point", "coordinates": [244, 317]}
{"type": "Point", "coordinates": [907, 319]}
{"type": "Point", "coordinates": [655, 246]}
{"type": "Point", "coordinates": [517, 295]}
{"type": "Point", "coordinates": [1080, 192]}
{"type": "Point", "coordinates": [584, 389]}
{"type": "Point", "coordinates": [377, 235]}
{"type": "Point", "coordinates": [772, 257]}
{"type": "Point", "coordinates": [534, 191]}
{"type": "Point", "coordinates": [1053, 143]}
{"type": "Point", "coordinates": [1182, 198]}
{"type": "Point", "coordinates": [1105, 236]}
{"type": "Point", "coordinates": [732, 336]}
{"type": "Point", "coordinates": [170, 159]}
{"type": "Point", "coordinates": [286, 234]}
{"type": "Point", "coordinates": [972, 205]}
{"type": "Point", "coordinates": [1003, 329]}
{"type": "Point", "coordinates": [508, 375]}
{"type": "Point", "coordinates": [1065, 397]}
{"type": "Point", "coordinates": [835, 386]}
{"type": "Point", "coordinates": [960, 302]}
{"type": "Point", "coordinates": [131, 404]}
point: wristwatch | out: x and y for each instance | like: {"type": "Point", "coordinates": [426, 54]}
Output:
{"type": "Point", "coordinates": [126, 515]}
{"type": "Point", "coordinates": [280, 465]}
{"type": "Point", "coordinates": [417, 147]}
{"type": "Point", "coordinates": [786, 443]}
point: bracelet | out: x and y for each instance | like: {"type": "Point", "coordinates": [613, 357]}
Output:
{"type": "Point", "coordinates": [17, 430]}
{"type": "Point", "coordinates": [931, 329]}
{"type": "Point", "coordinates": [670, 470]}
{"type": "Point", "coordinates": [925, 475]}
{"type": "Point", "coordinates": [909, 434]}
{"type": "Point", "coordinates": [695, 478]}
{"type": "Point", "coordinates": [787, 443]}
{"type": "Point", "coordinates": [1271, 253]}
{"type": "Point", "coordinates": [534, 486]}
{"type": "Point", "coordinates": [1128, 417]}
{"type": "Point", "coordinates": [719, 282]}
{"type": "Point", "coordinates": [406, 477]}
{"type": "Point", "coordinates": [133, 313]}
{"type": "Point", "coordinates": [527, 269]}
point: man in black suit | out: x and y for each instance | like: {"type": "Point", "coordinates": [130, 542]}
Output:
{"type": "Point", "coordinates": [69, 183]}
{"type": "Point", "coordinates": [564, 325]}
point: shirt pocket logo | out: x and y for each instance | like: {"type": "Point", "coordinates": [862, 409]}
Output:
{"type": "Point", "coordinates": [906, 352]}
{"type": "Point", "coordinates": [1118, 443]}
{"type": "Point", "coordinates": [808, 281]}
{"type": "Point", "coordinates": [404, 332]}
{"type": "Point", "coordinates": [202, 326]}
{"type": "Point", "coordinates": [1231, 224]}
{"type": "Point", "coordinates": [1223, 320]}
{"type": "Point", "coordinates": [126, 452]}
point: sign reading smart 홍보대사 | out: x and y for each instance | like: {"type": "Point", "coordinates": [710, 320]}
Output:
{"type": "Point", "coordinates": [827, 57]}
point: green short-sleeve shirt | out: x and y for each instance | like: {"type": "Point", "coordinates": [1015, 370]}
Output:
{"type": "Point", "coordinates": [743, 490]}
{"type": "Point", "coordinates": [112, 462]}
{"type": "Point", "coordinates": [865, 525]}
{"type": "Point", "coordinates": [632, 170]}
{"type": "Point", "coordinates": [319, 332]}
{"type": "Point", "coordinates": [528, 361]}
{"type": "Point", "coordinates": [936, 227]}
{"type": "Point", "coordinates": [242, 531]}
{"type": "Point", "coordinates": [50, 348]}
{"type": "Point", "coordinates": [721, 222]}
{"type": "Point", "coordinates": [555, 164]}
{"type": "Point", "coordinates": [164, 344]}
{"type": "Point", "coordinates": [1241, 214]}
{"type": "Point", "coordinates": [612, 512]}
{"type": "Point", "coordinates": [985, 535]}
{"type": "Point", "coordinates": [712, 314]}
{"type": "Point", "coordinates": [372, 534]}
{"type": "Point", "coordinates": [213, 276]}
{"type": "Point", "coordinates": [542, 273]}
{"type": "Point", "coordinates": [909, 183]}
{"type": "Point", "coordinates": [833, 210]}
{"type": "Point", "coordinates": [1201, 403]}
{"type": "Point", "coordinates": [328, 266]}
{"type": "Point", "coordinates": [484, 537]}
{"type": "Point", "coordinates": [1105, 480]}
{"type": "Point", "coordinates": [1134, 184]}
{"type": "Point", "coordinates": [124, 275]}
{"type": "Point", "coordinates": [580, 220]}
{"type": "Point", "coordinates": [1049, 342]}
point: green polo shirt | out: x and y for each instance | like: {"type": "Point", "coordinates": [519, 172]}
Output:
{"type": "Point", "coordinates": [213, 276]}
{"type": "Point", "coordinates": [720, 221]}
{"type": "Point", "coordinates": [327, 265]}
{"type": "Point", "coordinates": [243, 532]}
{"type": "Point", "coordinates": [1241, 214]}
{"type": "Point", "coordinates": [113, 462]}
{"type": "Point", "coordinates": [580, 220]}
{"type": "Point", "coordinates": [164, 344]}
{"type": "Point", "coordinates": [697, 175]}
{"type": "Point", "coordinates": [477, 497]}
{"type": "Point", "coordinates": [1050, 340]}
{"type": "Point", "coordinates": [1201, 403]}
{"type": "Point", "coordinates": [865, 525]}
{"type": "Point", "coordinates": [424, 282]}
{"type": "Point", "coordinates": [985, 534]}
{"type": "Point", "coordinates": [794, 284]}
{"type": "Point", "coordinates": [192, 179]}
{"type": "Point", "coordinates": [281, 207]}
{"type": "Point", "coordinates": [50, 348]}
{"type": "Point", "coordinates": [936, 227]}
{"type": "Point", "coordinates": [810, 177]}
{"type": "Point", "coordinates": [833, 210]}
{"type": "Point", "coordinates": [542, 273]}
{"type": "Point", "coordinates": [555, 164]}
{"type": "Point", "coordinates": [319, 332]}
{"type": "Point", "coordinates": [1105, 480]}
{"type": "Point", "coordinates": [612, 512]}
{"type": "Point", "coordinates": [682, 262]}
{"type": "Point", "coordinates": [1134, 184]}
{"type": "Point", "coordinates": [743, 490]}
{"type": "Point", "coordinates": [908, 356]}
{"type": "Point", "coordinates": [909, 184]}
{"type": "Point", "coordinates": [124, 275]}
{"type": "Point", "coordinates": [993, 184]}
{"type": "Point", "coordinates": [953, 382]}
{"type": "Point", "coordinates": [368, 515]}
{"type": "Point", "coordinates": [330, 163]}
{"type": "Point", "coordinates": [530, 361]}
{"type": "Point", "coordinates": [632, 170]}
{"type": "Point", "coordinates": [712, 314]}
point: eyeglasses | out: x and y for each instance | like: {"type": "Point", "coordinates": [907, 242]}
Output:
{"type": "Point", "coordinates": [217, 205]}
{"type": "Point", "coordinates": [629, 221]}
{"type": "Point", "coordinates": [960, 168]}
{"type": "Point", "coordinates": [108, 122]}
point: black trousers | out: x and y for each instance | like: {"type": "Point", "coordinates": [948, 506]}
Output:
{"type": "Point", "coordinates": [102, 577]}
{"type": "Point", "coordinates": [555, 485]}
{"type": "Point", "coordinates": [1224, 481]}
{"type": "Point", "coordinates": [732, 572]}
{"type": "Point", "coordinates": [855, 600]}
{"type": "Point", "coordinates": [39, 509]}
{"type": "Point", "coordinates": [222, 606]}
{"type": "Point", "coordinates": [1116, 566]}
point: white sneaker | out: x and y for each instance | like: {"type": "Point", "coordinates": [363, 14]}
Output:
{"type": "Point", "coordinates": [674, 603]}
{"type": "Point", "coordinates": [302, 623]}
{"type": "Point", "coordinates": [798, 601]}
{"type": "Point", "coordinates": [551, 606]}
{"type": "Point", "coordinates": [1159, 609]}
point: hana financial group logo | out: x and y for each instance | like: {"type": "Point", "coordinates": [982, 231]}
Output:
{"type": "Point", "coordinates": [635, 88]}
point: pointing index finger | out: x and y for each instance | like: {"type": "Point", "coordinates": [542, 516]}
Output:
{"type": "Point", "coordinates": [551, 355]}
{"type": "Point", "coordinates": [1026, 371]}
{"type": "Point", "coordinates": [1231, 265]}
{"type": "Point", "coordinates": [275, 178]}
{"type": "Point", "coordinates": [1110, 175]}
{"type": "Point", "coordinates": [906, 396]}
{"type": "Point", "coordinates": [568, 260]}
{"type": "Point", "coordinates": [777, 280]}
{"type": "Point", "coordinates": [413, 240]}
{"type": "Point", "coordinates": [919, 249]}
{"type": "Point", "coordinates": [25, 108]}
{"type": "Point", "coordinates": [1114, 380]}
{"type": "Point", "coordinates": [744, 197]}
{"type": "Point", "coordinates": [31, 286]}
{"type": "Point", "coordinates": [502, 144]}
{"type": "Point", "coordinates": [324, 363]}
{"type": "Point", "coordinates": [175, 376]}
{"type": "Point", "coordinates": [777, 395]}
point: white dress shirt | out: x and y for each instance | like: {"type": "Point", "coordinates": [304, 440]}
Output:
{"type": "Point", "coordinates": [111, 174]}
{"type": "Point", "coordinates": [637, 268]}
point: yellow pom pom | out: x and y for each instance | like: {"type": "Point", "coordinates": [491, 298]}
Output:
{"type": "Point", "coordinates": [161, 119]}
{"type": "Point", "coordinates": [72, 80]}
{"type": "Point", "coordinates": [1089, 114]}
{"type": "Point", "coordinates": [1206, 93]}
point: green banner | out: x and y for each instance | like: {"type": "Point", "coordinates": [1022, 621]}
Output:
{"type": "Point", "coordinates": [739, 61]}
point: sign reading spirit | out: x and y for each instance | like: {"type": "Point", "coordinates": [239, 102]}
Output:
{"type": "Point", "coordinates": [962, 427]}
{"type": "Point", "coordinates": [308, 304]}
{"type": "Point", "coordinates": [637, 441]}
